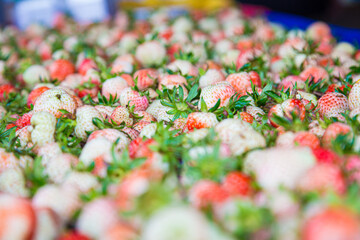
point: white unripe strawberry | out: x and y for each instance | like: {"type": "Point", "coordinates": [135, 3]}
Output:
{"type": "Point", "coordinates": [43, 128]}
{"type": "Point", "coordinates": [84, 120]}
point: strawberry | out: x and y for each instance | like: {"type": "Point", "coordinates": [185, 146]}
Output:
{"type": "Point", "coordinates": [354, 96]}
{"type": "Point", "coordinates": [246, 56]}
{"type": "Point", "coordinates": [307, 139]}
{"type": "Point", "coordinates": [145, 78]}
{"type": "Point", "coordinates": [140, 148]}
{"type": "Point", "coordinates": [332, 105]}
{"type": "Point", "coordinates": [12, 181]}
{"type": "Point", "coordinates": [211, 94]}
{"type": "Point", "coordinates": [169, 81]}
{"type": "Point", "coordinates": [246, 117]}
{"type": "Point", "coordinates": [293, 106]}
{"type": "Point", "coordinates": [323, 177]}
{"type": "Point", "coordinates": [332, 223]}
{"type": "Point", "coordinates": [5, 89]}
{"type": "Point", "coordinates": [85, 65]}
{"type": "Point", "coordinates": [96, 217]}
{"type": "Point", "coordinates": [73, 235]}
{"type": "Point", "coordinates": [129, 97]}
{"type": "Point", "coordinates": [60, 69]}
{"type": "Point", "coordinates": [84, 120]}
{"type": "Point", "coordinates": [325, 155]}
{"type": "Point", "coordinates": [332, 131]}
{"type": "Point", "coordinates": [16, 210]}
{"type": "Point", "coordinates": [315, 72]}
{"type": "Point", "coordinates": [63, 201]}
{"type": "Point", "coordinates": [148, 131]}
{"type": "Point", "coordinates": [121, 114]}
{"type": "Point", "coordinates": [353, 167]}
{"type": "Point", "coordinates": [150, 53]}
{"type": "Point", "coordinates": [237, 183]}
{"type": "Point", "coordinates": [24, 120]}
{"type": "Point", "coordinates": [132, 133]}
{"type": "Point", "coordinates": [211, 77]}
{"type": "Point", "coordinates": [242, 81]}
{"type": "Point", "coordinates": [35, 74]}
{"type": "Point", "coordinates": [290, 81]}
{"type": "Point", "coordinates": [140, 125]}
{"type": "Point", "coordinates": [43, 128]}
{"type": "Point", "coordinates": [206, 192]}
{"type": "Point", "coordinates": [239, 135]}
{"type": "Point", "coordinates": [272, 167]}
{"type": "Point", "coordinates": [34, 94]}
{"type": "Point", "coordinates": [318, 30]}
{"type": "Point", "coordinates": [55, 99]}
{"type": "Point", "coordinates": [200, 120]}
{"type": "Point", "coordinates": [120, 231]}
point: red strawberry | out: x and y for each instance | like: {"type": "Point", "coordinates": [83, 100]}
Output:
{"type": "Point", "coordinates": [24, 120]}
{"type": "Point", "coordinates": [246, 117]}
{"type": "Point", "coordinates": [205, 192]}
{"type": "Point", "coordinates": [275, 110]}
{"type": "Point", "coordinates": [140, 148]}
{"type": "Point", "coordinates": [60, 69]}
{"type": "Point", "coordinates": [332, 131]}
{"type": "Point", "coordinates": [325, 155]}
{"type": "Point", "coordinates": [73, 236]}
{"type": "Point", "coordinates": [237, 183]}
{"type": "Point", "coordinates": [332, 104]}
{"type": "Point", "coordinates": [200, 120]}
{"type": "Point", "coordinates": [34, 94]}
{"type": "Point", "coordinates": [307, 139]}
{"type": "Point", "coordinates": [323, 177]}
{"type": "Point", "coordinates": [291, 106]}
{"type": "Point", "coordinates": [333, 223]}
{"type": "Point", "coordinates": [5, 89]}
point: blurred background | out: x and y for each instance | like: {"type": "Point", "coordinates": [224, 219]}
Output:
{"type": "Point", "coordinates": [344, 13]}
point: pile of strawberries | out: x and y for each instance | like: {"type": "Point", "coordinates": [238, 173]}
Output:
{"type": "Point", "coordinates": [199, 127]}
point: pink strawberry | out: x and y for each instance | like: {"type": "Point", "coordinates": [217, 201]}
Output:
{"type": "Point", "coordinates": [24, 120]}
{"type": "Point", "coordinates": [85, 65]}
{"type": "Point", "coordinates": [332, 131]}
{"type": "Point", "coordinates": [211, 94]}
{"type": "Point", "coordinates": [323, 177]}
{"type": "Point", "coordinates": [318, 73]}
{"type": "Point", "coordinates": [129, 97]}
{"type": "Point", "coordinates": [332, 223]}
{"type": "Point", "coordinates": [242, 81]}
{"type": "Point", "coordinates": [145, 78]}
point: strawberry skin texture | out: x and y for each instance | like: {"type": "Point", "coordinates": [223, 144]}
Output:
{"type": "Point", "coordinates": [237, 183]}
